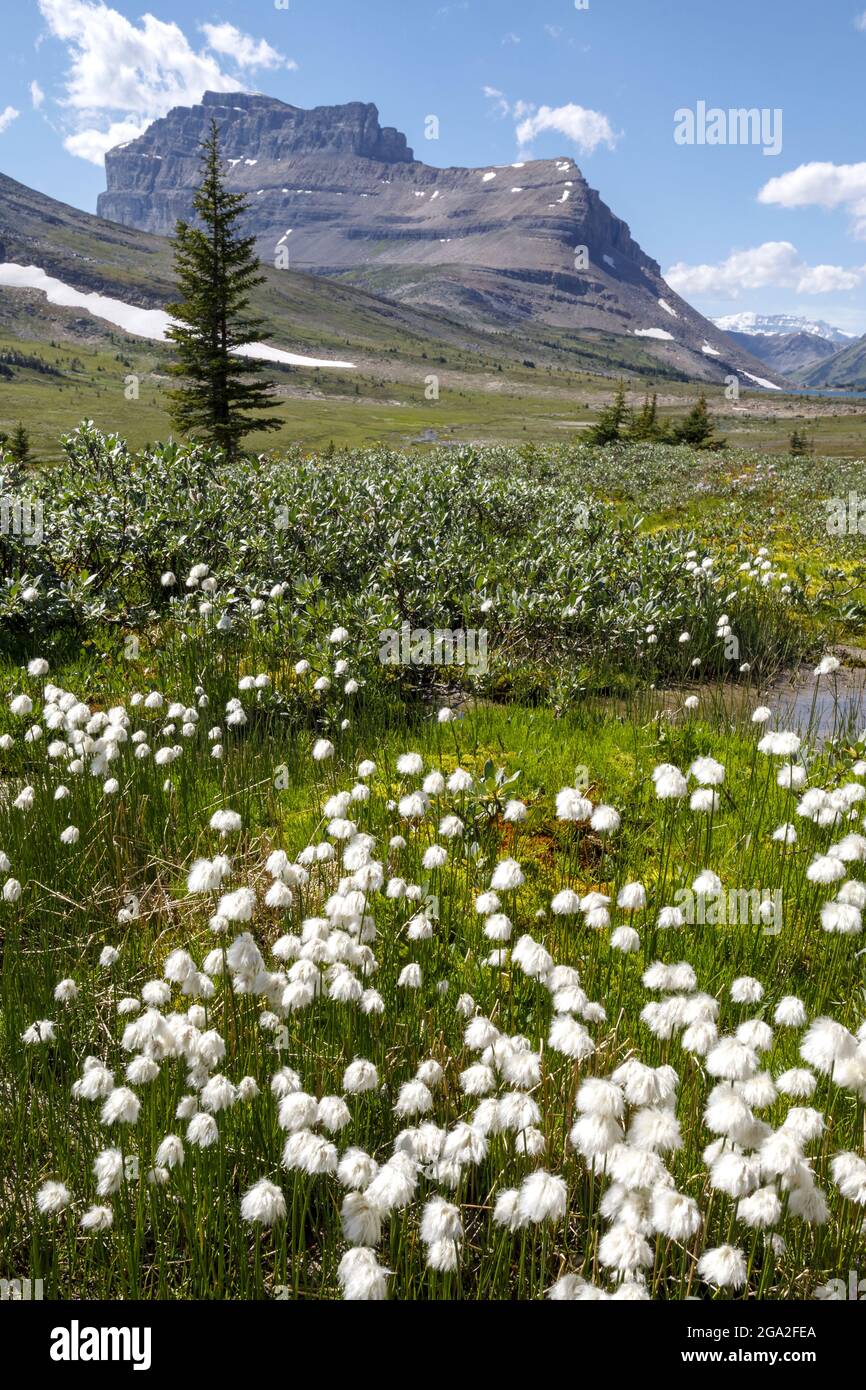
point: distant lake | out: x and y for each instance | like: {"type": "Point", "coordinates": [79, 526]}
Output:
{"type": "Point", "coordinates": [830, 395]}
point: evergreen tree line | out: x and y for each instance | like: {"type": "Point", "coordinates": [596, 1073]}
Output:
{"type": "Point", "coordinates": [618, 424]}
{"type": "Point", "coordinates": [11, 357]}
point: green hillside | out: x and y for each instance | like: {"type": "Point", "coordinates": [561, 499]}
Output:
{"type": "Point", "coordinates": [61, 365]}
{"type": "Point", "coordinates": [845, 370]}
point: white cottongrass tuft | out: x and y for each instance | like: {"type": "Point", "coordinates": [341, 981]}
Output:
{"type": "Point", "coordinates": [263, 1204]}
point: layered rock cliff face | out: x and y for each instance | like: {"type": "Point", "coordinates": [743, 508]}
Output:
{"type": "Point", "coordinates": [334, 193]}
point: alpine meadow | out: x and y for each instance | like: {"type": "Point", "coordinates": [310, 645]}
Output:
{"type": "Point", "coordinates": [432, 666]}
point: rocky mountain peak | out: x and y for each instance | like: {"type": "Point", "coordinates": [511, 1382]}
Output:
{"type": "Point", "coordinates": [332, 192]}
{"type": "Point", "coordinates": [251, 123]}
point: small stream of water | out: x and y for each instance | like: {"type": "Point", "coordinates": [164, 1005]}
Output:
{"type": "Point", "coordinates": [829, 704]}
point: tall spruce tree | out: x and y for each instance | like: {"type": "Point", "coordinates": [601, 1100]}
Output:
{"type": "Point", "coordinates": [222, 397]}
{"type": "Point", "coordinates": [646, 425]}
{"type": "Point", "coordinates": [612, 421]}
{"type": "Point", "coordinates": [19, 444]}
{"type": "Point", "coordinates": [697, 428]}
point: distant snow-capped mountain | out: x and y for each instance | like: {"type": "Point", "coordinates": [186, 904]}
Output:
{"type": "Point", "coordinates": [770, 324]}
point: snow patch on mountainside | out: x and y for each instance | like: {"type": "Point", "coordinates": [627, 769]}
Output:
{"type": "Point", "coordinates": [142, 323]}
{"type": "Point", "coordinates": [762, 381]}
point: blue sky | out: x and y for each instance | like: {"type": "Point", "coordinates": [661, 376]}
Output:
{"type": "Point", "coordinates": [745, 230]}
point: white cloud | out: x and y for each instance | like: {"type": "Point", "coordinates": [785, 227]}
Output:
{"type": "Point", "coordinates": [860, 22]}
{"type": "Point", "coordinates": [247, 52]}
{"type": "Point", "coordinates": [774, 264]}
{"type": "Point", "coordinates": [91, 144]}
{"type": "Point", "coordinates": [586, 129]}
{"type": "Point", "coordinates": [823, 185]}
{"type": "Point", "coordinates": [7, 117]}
{"type": "Point", "coordinates": [37, 96]}
{"type": "Point", "coordinates": [511, 39]}
{"type": "Point", "coordinates": [501, 102]}
{"type": "Point", "coordinates": [122, 76]}
{"type": "Point", "coordinates": [824, 279]}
